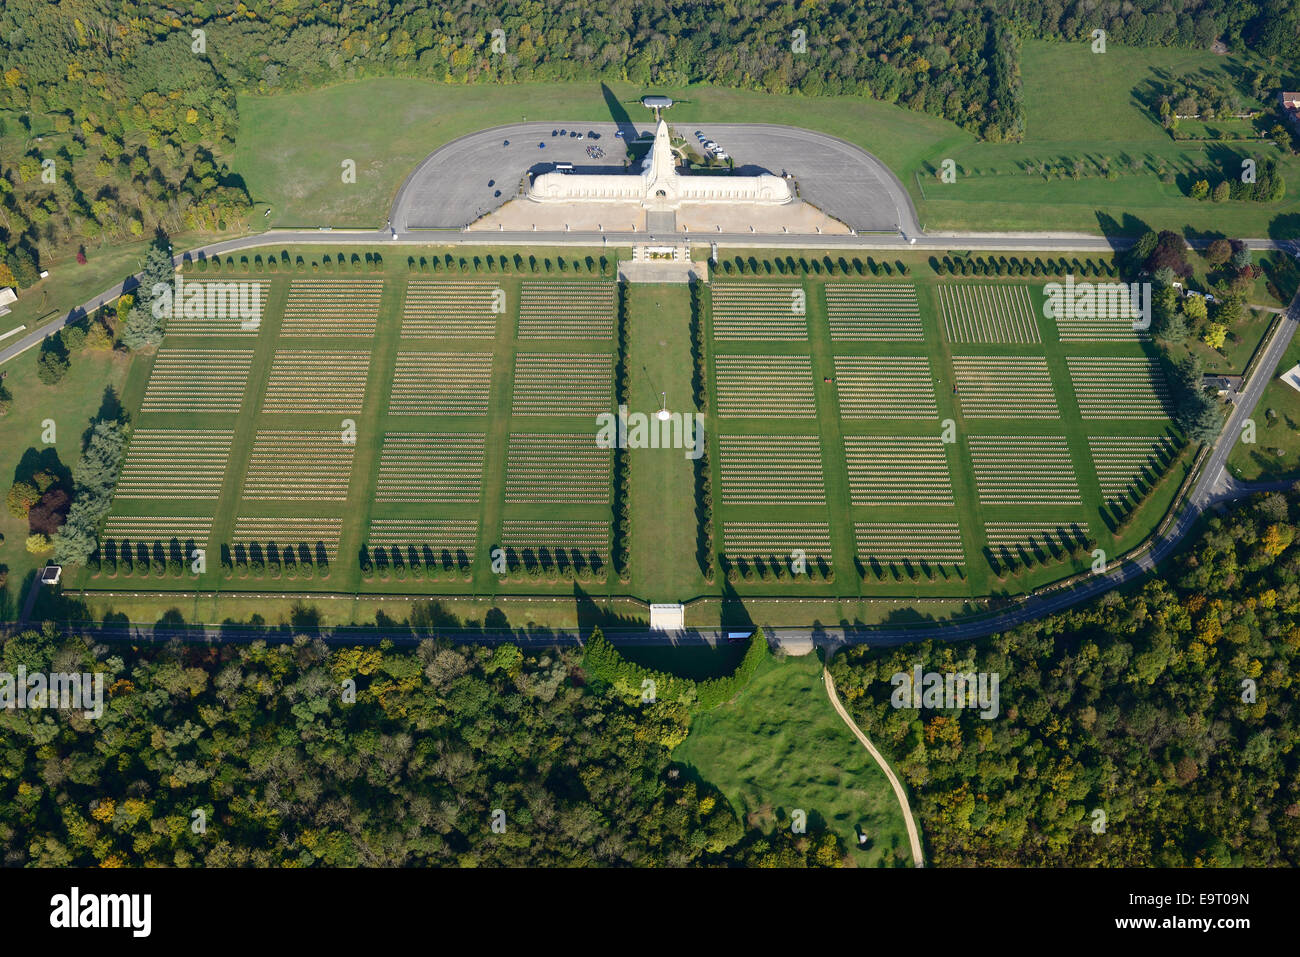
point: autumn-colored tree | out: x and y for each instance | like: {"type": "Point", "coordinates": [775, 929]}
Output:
{"type": "Point", "coordinates": [1276, 539]}
{"type": "Point", "coordinates": [1218, 252]}
{"type": "Point", "coordinates": [1215, 335]}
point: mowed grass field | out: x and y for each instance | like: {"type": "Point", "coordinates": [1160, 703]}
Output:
{"type": "Point", "coordinates": [663, 532]}
{"type": "Point", "coordinates": [1079, 106]}
{"type": "Point", "coordinates": [290, 147]}
{"type": "Point", "coordinates": [1276, 451]}
{"type": "Point", "coordinates": [391, 434]}
{"type": "Point", "coordinates": [780, 746]}
{"type": "Point", "coordinates": [1084, 106]}
{"type": "Point", "coordinates": [69, 406]}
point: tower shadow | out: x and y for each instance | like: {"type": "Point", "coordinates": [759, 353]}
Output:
{"type": "Point", "coordinates": [619, 114]}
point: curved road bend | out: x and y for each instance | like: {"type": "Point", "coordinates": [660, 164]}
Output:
{"type": "Point", "coordinates": [913, 835]}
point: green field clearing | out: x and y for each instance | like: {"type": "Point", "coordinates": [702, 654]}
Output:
{"type": "Point", "coordinates": [290, 146]}
{"type": "Point", "coordinates": [70, 405]}
{"type": "Point", "coordinates": [475, 431]}
{"type": "Point", "coordinates": [779, 745]}
{"type": "Point", "coordinates": [1119, 83]}
{"type": "Point", "coordinates": [1279, 432]}
{"type": "Point", "coordinates": [998, 189]}
{"type": "Point", "coordinates": [663, 490]}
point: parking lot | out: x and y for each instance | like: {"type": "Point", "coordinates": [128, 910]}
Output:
{"type": "Point", "coordinates": [476, 174]}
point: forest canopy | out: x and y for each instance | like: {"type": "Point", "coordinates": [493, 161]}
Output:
{"type": "Point", "coordinates": [1172, 710]}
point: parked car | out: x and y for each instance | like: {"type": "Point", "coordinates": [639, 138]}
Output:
{"type": "Point", "coordinates": [619, 134]}
{"type": "Point", "coordinates": [555, 132]}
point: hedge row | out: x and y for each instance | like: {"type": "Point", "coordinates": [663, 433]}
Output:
{"type": "Point", "coordinates": [913, 571]}
{"type": "Point", "coordinates": [751, 568]}
{"type": "Point", "coordinates": [1016, 266]}
{"type": "Point", "coordinates": [826, 265]}
{"type": "Point", "coordinates": [704, 550]}
{"type": "Point", "coordinates": [622, 470]}
{"type": "Point", "coordinates": [369, 262]}
{"type": "Point", "coordinates": [1005, 561]}
{"type": "Point", "coordinates": [588, 265]}
{"type": "Point", "coordinates": [374, 262]}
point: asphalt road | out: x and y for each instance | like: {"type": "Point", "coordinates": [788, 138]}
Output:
{"type": "Point", "coordinates": [471, 176]}
{"type": "Point", "coordinates": [1027, 242]}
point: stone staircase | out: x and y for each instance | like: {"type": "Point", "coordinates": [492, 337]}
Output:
{"type": "Point", "coordinates": [662, 262]}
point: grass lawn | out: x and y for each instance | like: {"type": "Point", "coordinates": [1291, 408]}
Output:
{"type": "Point", "coordinates": [780, 746]}
{"type": "Point", "coordinates": [290, 147]}
{"type": "Point", "coordinates": [664, 567]}
{"type": "Point", "coordinates": [70, 285]}
{"type": "Point", "coordinates": [70, 405]}
{"type": "Point", "coordinates": [1088, 107]}
{"type": "Point", "coordinates": [1278, 432]}
{"type": "Point", "coordinates": [1069, 90]}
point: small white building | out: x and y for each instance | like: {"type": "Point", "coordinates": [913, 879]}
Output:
{"type": "Point", "coordinates": [667, 617]}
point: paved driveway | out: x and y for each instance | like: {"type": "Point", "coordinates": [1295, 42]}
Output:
{"type": "Point", "coordinates": [471, 176]}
